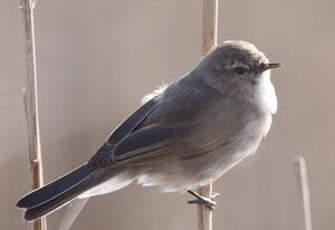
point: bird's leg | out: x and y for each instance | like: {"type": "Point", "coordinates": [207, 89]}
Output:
{"type": "Point", "coordinates": [207, 201]}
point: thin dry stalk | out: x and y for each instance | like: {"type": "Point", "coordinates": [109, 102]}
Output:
{"type": "Point", "coordinates": [31, 104]}
{"type": "Point", "coordinates": [300, 163]}
{"type": "Point", "coordinates": [209, 40]}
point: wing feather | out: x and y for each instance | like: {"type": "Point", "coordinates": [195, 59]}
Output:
{"type": "Point", "coordinates": [103, 156]}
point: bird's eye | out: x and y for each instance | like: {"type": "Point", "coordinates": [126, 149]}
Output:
{"type": "Point", "coordinates": [239, 70]}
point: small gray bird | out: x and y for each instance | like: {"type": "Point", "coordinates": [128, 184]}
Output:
{"type": "Point", "coordinates": [185, 135]}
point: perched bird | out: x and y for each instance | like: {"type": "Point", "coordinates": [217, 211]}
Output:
{"type": "Point", "coordinates": [185, 135]}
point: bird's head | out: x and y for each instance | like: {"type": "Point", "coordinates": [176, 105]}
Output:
{"type": "Point", "coordinates": [235, 66]}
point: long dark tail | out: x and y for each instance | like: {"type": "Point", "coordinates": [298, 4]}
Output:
{"type": "Point", "coordinates": [52, 196]}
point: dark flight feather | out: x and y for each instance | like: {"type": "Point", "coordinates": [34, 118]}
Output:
{"type": "Point", "coordinates": [103, 157]}
{"type": "Point", "coordinates": [144, 140]}
{"type": "Point", "coordinates": [55, 188]}
{"type": "Point", "coordinates": [58, 201]}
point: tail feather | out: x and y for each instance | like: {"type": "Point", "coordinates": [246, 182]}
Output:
{"type": "Point", "coordinates": [58, 201]}
{"type": "Point", "coordinates": [55, 189]}
{"type": "Point", "coordinates": [81, 183]}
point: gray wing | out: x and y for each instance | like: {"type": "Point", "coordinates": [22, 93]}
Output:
{"type": "Point", "coordinates": [184, 133]}
{"type": "Point", "coordinates": [156, 143]}
{"type": "Point", "coordinates": [102, 157]}
{"type": "Point", "coordinates": [147, 141]}
{"type": "Point", "coordinates": [167, 131]}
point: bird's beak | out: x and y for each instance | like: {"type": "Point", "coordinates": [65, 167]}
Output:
{"type": "Point", "coordinates": [270, 66]}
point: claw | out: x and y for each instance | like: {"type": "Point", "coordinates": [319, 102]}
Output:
{"type": "Point", "coordinates": [207, 201]}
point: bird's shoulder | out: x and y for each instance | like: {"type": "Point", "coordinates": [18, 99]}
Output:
{"type": "Point", "coordinates": [184, 102]}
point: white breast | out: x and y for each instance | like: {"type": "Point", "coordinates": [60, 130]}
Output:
{"type": "Point", "coordinates": [265, 96]}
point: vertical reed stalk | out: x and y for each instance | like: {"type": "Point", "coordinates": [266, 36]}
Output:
{"type": "Point", "coordinates": [300, 163]}
{"type": "Point", "coordinates": [209, 40]}
{"type": "Point", "coordinates": [31, 103]}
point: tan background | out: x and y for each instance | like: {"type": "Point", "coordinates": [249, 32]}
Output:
{"type": "Point", "coordinates": [97, 58]}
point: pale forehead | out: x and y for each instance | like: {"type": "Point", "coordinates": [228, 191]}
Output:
{"type": "Point", "coordinates": [241, 51]}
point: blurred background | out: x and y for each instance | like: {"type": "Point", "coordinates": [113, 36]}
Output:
{"type": "Point", "coordinates": [96, 59]}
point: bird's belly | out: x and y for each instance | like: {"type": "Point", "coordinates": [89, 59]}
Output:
{"type": "Point", "coordinates": [198, 171]}
{"type": "Point", "coordinates": [245, 144]}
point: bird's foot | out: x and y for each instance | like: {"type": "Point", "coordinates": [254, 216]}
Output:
{"type": "Point", "coordinates": [207, 201]}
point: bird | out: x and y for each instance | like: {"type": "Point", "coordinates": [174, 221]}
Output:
{"type": "Point", "coordinates": [185, 134]}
